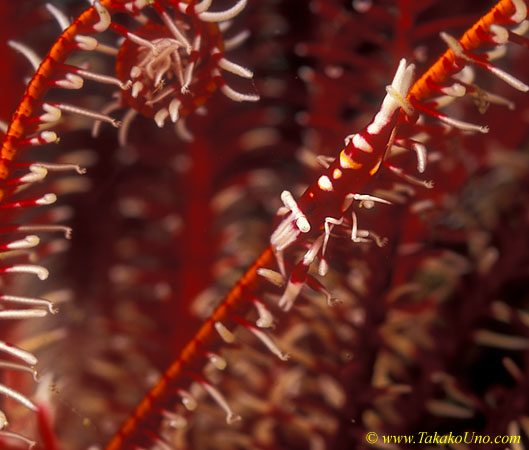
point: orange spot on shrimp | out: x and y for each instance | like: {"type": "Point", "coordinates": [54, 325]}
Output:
{"type": "Point", "coordinates": [347, 163]}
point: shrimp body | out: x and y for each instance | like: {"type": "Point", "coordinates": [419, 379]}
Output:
{"type": "Point", "coordinates": [326, 200]}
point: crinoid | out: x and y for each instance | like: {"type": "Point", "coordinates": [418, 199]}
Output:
{"type": "Point", "coordinates": [394, 268]}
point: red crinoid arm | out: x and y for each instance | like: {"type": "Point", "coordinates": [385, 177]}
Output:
{"type": "Point", "coordinates": [223, 315]}
{"type": "Point", "coordinates": [21, 133]}
{"type": "Point", "coordinates": [473, 38]}
{"type": "Point", "coordinates": [38, 86]}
